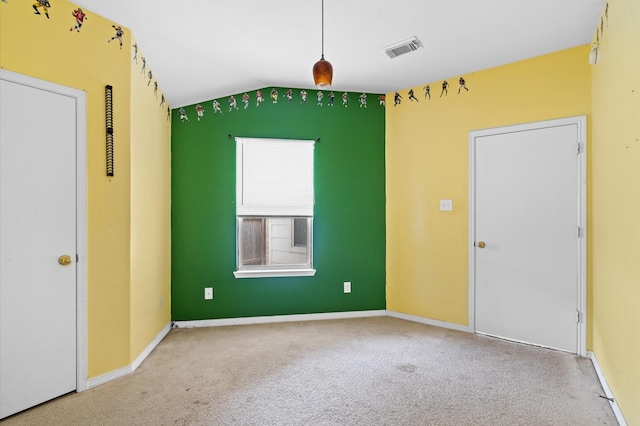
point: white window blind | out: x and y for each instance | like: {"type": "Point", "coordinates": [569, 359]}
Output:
{"type": "Point", "coordinates": [274, 177]}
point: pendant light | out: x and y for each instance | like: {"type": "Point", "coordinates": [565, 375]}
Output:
{"type": "Point", "coordinates": [322, 70]}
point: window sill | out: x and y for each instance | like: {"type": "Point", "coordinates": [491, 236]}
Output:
{"type": "Point", "coordinates": [275, 273]}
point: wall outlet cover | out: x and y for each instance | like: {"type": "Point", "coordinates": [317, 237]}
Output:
{"type": "Point", "coordinates": [208, 293]}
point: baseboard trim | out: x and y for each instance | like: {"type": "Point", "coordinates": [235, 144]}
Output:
{"type": "Point", "coordinates": [277, 318]}
{"type": "Point", "coordinates": [607, 389]}
{"type": "Point", "coordinates": [107, 377]}
{"type": "Point", "coordinates": [428, 321]}
{"type": "Point", "coordinates": [125, 371]}
{"type": "Point", "coordinates": [150, 347]}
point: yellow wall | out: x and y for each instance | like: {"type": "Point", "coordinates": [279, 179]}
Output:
{"type": "Point", "coordinates": [427, 160]}
{"type": "Point", "coordinates": [615, 213]}
{"type": "Point", "coordinates": [150, 210]}
{"type": "Point", "coordinates": [45, 48]}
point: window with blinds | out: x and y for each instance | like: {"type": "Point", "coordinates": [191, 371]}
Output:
{"type": "Point", "coordinates": [274, 207]}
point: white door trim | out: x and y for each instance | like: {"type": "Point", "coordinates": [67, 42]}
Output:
{"type": "Point", "coordinates": [581, 122]}
{"type": "Point", "coordinates": [81, 211]}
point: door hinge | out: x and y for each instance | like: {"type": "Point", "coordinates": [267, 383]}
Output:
{"type": "Point", "coordinates": [579, 150]}
{"type": "Point", "coordinates": [578, 317]}
{"type": "Point", "coordinates": [579, 232]}
{"type": "Point", "coordinates": [77, 258]}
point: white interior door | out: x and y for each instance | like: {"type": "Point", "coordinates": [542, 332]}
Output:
{"type": "Point", "coordinates": [38, 225]}
{"type": "Point", "coordinates": [526, 225]}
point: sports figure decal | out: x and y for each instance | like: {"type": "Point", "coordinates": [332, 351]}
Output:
{"type": "Point", "coordinates": [183, 115]}
{"type": "Point", "coordinates": [363, 100]}
{"type": "Point", "coordinates": [80, 17]}
{"type": "Point", "coordinates": [397, 99]}
{"type": "Point", "coordinates": [216, 107]}
{"type": "Point", "coordinates": [463, 85]}
{"type": "Point", "coordinates": [232, 103]}
{"type": "Point", "coordinates": [118, 36]}
{"type": "Point", "coordinates": [44, 4]}
{"type": "Point", "coordinates": [345, 99]}
{"type": "Point", "coordinates": [445, 90]}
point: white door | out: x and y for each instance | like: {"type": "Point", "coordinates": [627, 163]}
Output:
{"type": "Point", "coordinates": [37, 227]}
{"type": "Point", "coordinates": [527, 214]}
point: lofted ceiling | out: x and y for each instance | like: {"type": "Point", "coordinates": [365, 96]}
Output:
{"type": "Point", "coordinates": [204, 49]}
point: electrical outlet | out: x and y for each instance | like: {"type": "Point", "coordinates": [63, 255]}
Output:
{"type": "Point", "coordinates": [347, 286]}
{"type": "Point", "coordinates": [208, 293]}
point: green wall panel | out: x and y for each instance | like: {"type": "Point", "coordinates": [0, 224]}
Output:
{"type": "Point", "coordinates": [349, 216]}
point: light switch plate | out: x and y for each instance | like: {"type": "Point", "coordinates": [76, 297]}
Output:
{"type": "Point", "coordinates": [446, 205]}
{"type": "Point", "coordinates": [347, 286]}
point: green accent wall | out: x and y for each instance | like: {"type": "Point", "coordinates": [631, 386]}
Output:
{"type": "Point", "coordinates": [349, 216]}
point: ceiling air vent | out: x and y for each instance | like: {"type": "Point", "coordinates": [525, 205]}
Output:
{"type": "Point", "coordinates": [403, 47]}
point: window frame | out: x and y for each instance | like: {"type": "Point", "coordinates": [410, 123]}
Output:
{"type": "Point", "coordinates": [303, 212]}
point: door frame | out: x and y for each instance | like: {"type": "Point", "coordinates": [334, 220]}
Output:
{"type": "Point", "coordinates": [581, 241]}
{"type": "Point", "coordinates": [81, 211]}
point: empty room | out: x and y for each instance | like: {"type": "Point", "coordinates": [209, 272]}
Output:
{"type": "Point", "coordinates": [282, 212]}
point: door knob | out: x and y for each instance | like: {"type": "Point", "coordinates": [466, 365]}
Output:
{"type": "Point", "coordinates": [481, 244]}
{"type": "Point", "coordinates": [64, 260]}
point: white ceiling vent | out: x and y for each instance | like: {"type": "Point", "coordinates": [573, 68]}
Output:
{"type": "Point", "coordinates": [403, 47]}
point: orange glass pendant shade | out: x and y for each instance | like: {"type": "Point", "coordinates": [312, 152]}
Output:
{"type": "Point", "coordinates": [322, 73]}
{"type": "Point", "coordinates": [322, 70]}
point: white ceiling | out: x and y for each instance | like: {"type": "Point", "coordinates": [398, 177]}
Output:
{"type": "Point", "coordinates": [204, 49]}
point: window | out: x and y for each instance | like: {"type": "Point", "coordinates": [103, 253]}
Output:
{"type": "Point", "coordinates": [274, 207]}
{"type": "Point", "coordinates": [300, 232]}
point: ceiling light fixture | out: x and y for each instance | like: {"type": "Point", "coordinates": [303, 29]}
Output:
{"type": "Point", "coordinates": [322, 70]}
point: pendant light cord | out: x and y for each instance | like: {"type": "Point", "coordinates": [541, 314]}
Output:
{"type": "Point", "coordinates": [322, 29]}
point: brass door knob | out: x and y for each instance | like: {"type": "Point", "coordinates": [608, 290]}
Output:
{"type": "Point", "coordinates": [481, 244]}
{"type": "Point", "coordinates": [64, 260]}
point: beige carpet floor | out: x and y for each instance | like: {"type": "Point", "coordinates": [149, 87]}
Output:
{"type": "Point", "coordinates": [365, 371]}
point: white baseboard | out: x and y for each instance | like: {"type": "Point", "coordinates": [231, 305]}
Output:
{"type": "Point", "coordinates": [107, 377]}
{"type": "Point", "coordinates": [150, 347]}
{"type": "Point", "coordinates": [124, 371]}
{"type": "Point", "coordinates": [277, 318]}
{"type": "Point", "coordinates": [428, 321]}
{"type": "Point", "coordinates": [607, 389]}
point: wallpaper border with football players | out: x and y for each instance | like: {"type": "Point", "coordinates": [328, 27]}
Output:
{"type": "Point", "coordinates": [349, 213]}
{"type": "Point", "coordinates": [70, 18]}
{"type": "Point", "coordinates": [266, 97]}
{"type": "Point", "coordinates": [274, 95]}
